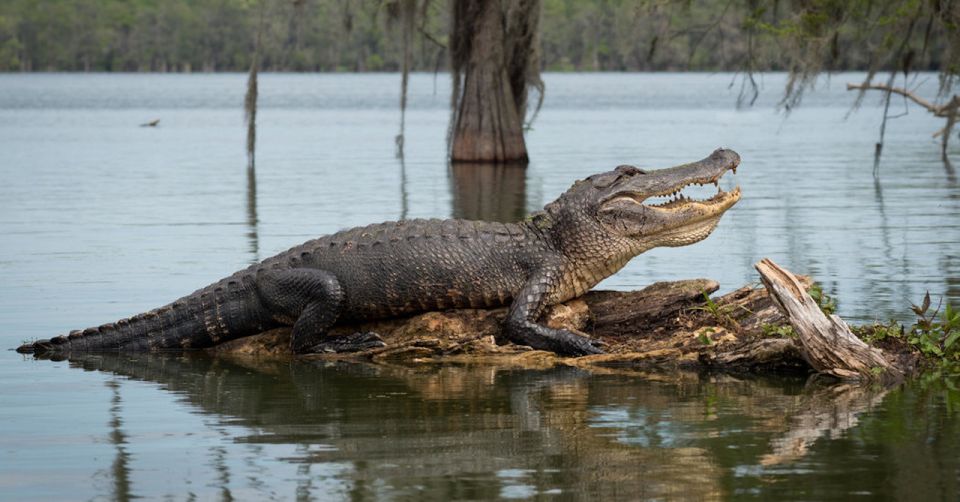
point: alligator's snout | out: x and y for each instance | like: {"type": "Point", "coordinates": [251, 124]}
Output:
{"type": "Point", "coordinates": [646, 185]}
{"type": "Point", "coordinates": [653, 207]}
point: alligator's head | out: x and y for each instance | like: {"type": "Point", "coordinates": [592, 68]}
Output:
{"type": "Point", "coordinates": [648, 208]}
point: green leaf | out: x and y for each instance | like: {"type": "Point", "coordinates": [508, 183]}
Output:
{"type": "Point", "coordinates": [952, 339]}
{"type": "Point", "coordinates": [951, 318]}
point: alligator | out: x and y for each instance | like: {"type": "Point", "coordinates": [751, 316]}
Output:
{"type": "Point", "coordinates": [401, 268]}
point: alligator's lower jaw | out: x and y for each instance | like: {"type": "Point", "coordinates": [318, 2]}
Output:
{"type": "Point", "coordinates": [699, 225]}
{"type": "Point", "coordinates": [679, 203]}
{"type": "Point", "coordinates": [687, 234]}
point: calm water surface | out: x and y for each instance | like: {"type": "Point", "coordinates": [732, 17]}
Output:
{"type": "Point", "coordinates": [100, 218]}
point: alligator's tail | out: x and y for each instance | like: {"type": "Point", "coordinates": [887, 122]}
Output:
{"type": "Point", "coordinates": [223, 311]}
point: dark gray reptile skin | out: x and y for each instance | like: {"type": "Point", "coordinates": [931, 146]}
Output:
{"type": "Point", "coordinates": [399, 268]}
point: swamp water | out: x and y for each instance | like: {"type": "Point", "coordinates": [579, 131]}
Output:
{"type": "Point", "coordinates": [100, 219]}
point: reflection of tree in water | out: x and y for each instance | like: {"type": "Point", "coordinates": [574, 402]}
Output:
{"type": "Point", "coordinates": [952, 285]}
{"type": "Point", "coordinates": [491, 192]}
{"type": "Point", "coordinates": [483, 432]}
{"type": "Point", "coordinates": [221, 465]}
{"type": "Point", "coordinates": [252, 219]}
{"type": "Point", "coordinates": [120, 469]}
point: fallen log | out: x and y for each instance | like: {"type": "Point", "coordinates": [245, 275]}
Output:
{"type": "Point", "coordinates": [665, 325]}
{"type": "Point", "coordinates": [826, 342]}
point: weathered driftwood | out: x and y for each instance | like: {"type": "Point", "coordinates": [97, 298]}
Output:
{"type": "Point", "coordinates": [826, 342]}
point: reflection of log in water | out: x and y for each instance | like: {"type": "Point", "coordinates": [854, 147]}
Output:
{"type": "Point", "coordinates": [822, 412]}
{"type": "Point", "coordinates": [492, 192]}
{"type": "Point", "coordinates": [438, 423]}
{"type": "Point", "coordinates": [383, 430]}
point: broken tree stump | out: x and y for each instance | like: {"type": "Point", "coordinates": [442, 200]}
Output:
{"type": "Point", "coordinates": [826, 342]}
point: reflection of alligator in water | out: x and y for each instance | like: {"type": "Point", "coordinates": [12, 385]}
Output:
{"type": "Point", "coordinates": [434, 432]}
{"type": "Point", "coordinates": [437, 434]}
{"type": "Point", "coordinates": [400, 268]}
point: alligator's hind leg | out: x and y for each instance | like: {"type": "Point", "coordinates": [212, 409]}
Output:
{"type": "Point", "coordinates": [309, 298]}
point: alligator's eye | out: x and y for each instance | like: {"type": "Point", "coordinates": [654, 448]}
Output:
{"type": "Point", "coordinates": [628, 170]}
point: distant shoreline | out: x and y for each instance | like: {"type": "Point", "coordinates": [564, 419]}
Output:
{"type": "Point", "coordinates": [440, 73]}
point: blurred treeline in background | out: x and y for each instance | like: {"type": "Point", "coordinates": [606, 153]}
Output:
{"type": "Point", "coordinates": [352, 35]}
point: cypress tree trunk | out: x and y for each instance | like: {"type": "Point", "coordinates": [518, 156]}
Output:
{"type": "Point", "coordinates": [487, 124]}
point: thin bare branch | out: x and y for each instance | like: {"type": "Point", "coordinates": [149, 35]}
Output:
{"type": "Point", "coordinates": [939, 111]}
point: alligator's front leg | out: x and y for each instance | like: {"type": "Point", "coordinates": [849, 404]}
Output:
{"type": "Point", "coordinates": [311, 298]}
{"type": "Point", "coordinates": [521, 323]}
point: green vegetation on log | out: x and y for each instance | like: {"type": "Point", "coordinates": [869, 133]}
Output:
{"type": "Point", "coordinates": [935, 334]}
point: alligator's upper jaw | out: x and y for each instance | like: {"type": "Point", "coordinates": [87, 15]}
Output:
{"type": "Point", "coordinates": [677, 201]}
{"type": "Point", "coordinates": [662, 189]}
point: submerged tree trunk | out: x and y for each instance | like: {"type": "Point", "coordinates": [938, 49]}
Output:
{"type": "Point", "coordinates": [250, 99]}
{"type": "Point", "coordinates": [250, 115]}
{"type": "Point", "coordinates": [487, 123]}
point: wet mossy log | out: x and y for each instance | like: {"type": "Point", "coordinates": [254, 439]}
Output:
{"type": "Point", "coordinates": [667, 324]}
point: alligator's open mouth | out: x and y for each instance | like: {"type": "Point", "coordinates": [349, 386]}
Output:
{"type": "Point", "coordinates": [684, 197]}
{"type": "Point", "coordinates": [696, 192]}
{"type": "Point", "coordinates": [690, 193]}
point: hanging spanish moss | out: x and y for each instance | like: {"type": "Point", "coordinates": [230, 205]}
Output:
{"type": "Point", "coordinates": [523, 37]}
{"type": "Point", "coordinates": [807, 39]}
{"type": "Point", "coordinates": [404, 11]}
{"type": "Point", "coordinates": [493, 58]}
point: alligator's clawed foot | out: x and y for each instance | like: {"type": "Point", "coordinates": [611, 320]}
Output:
{"type": "Point", "coordinates": [560, 341]}
{"type": "Point", "coordinates": [349, 343]}
{"type": "Point", "coordinates": [572, 344]}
